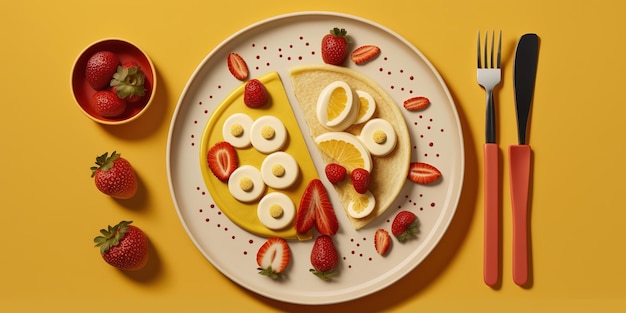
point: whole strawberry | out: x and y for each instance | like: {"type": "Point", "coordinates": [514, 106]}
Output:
{"type": "Point", "coordinates": [255, 94]}
{"type": "Point", "coordinates": [128, 82]}
{"type": "Point", "coordinates": [100, 68]}
{"type": "Point", "coordinates": [405, 225]}
{"type": "Point", "coordinates": [107, 104]}
{"type": "Point", "coordinates": [335, 173]}
{"type": "Point", "coordinates": [123, 246]}
{"type": "Point", "coordinates": [335, 46]}
{"type": "Point", "coordinates": [360, 180]}
{"type": "Point", "coordinates": [114, 176]}
{"type": "Point", "coordinates": [324, 257]}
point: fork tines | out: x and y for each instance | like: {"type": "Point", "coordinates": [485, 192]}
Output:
{"type": "Point", "coordinates": [489, 62]}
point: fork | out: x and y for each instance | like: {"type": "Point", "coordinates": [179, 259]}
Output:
{"type": "Point", "coordinates": [488, 76]}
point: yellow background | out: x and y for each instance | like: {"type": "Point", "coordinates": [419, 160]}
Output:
{"type": "Point", "coordinates": [50, 210]}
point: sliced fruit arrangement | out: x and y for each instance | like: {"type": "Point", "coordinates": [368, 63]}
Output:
{"type": "Point", "coordinates": [416, 103]}
{"type": "Point", "coordinates": [237, 66]}
{"type": "Point", "coordinates": [109, 78]}
{"type": "Point", "coordinates": [256, 162]}
{"type": "Point", "coordinates": [423, 173]}
{"type": "Point", "coordinates": [273, 257]}
{"type": "Point", "coordinates": [316, 209]}
{"type": "Point", "coordinates": [124, 246]}
{"type": "Point", "coordinates": [222, 160]}
{"type": "Point", "coordinates": [324, 257]}
{"type": "Point", "coordinates": [364, 53]}
{"type": "Point", "coordinates": [382, 241]}
{"type": "Point", "coordinates": [359, 127]}
{"type": "Point", "coordinates": [114, 176]}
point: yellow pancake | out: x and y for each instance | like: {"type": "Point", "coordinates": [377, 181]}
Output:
{"type": "Point", "coordinates": [388, 172]}
{"type": "Point", "coordinates": [243, 214]}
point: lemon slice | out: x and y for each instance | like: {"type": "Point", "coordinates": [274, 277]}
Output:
{"type": "Point", "coordinates": [336, 106]}
{"type": "Point", "coordinates": [361, 205]}
{"type": "Point", "coordinates": [345, 149]}
{"type": "Point", "coordinates": [367, 106]}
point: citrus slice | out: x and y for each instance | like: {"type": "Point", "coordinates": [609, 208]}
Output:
{"type": "Point", "coordinates": [367, 106]}
{"type": "Point", "coordinates": [336, 106]}
{"type": "Point", "coordinates": [345, 149]}
{"type": "Point", "coordinates": [361, 205]}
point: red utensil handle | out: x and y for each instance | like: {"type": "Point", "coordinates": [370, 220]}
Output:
{"type": "Point", "coordinates": [520, 157]}
{"type": "Point", "coordinates": [491, 258]}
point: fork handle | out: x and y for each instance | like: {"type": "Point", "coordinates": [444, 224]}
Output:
{"type": "Point", "coordinates": [491, 258]}
{"type": "Point", "coordinates": [490, 119]}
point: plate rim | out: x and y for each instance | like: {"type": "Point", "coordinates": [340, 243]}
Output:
{"type": "Point", "coordinates": [461, 164]}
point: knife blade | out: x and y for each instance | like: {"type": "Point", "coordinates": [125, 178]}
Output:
{"type": "Point", "coordinates": [524, 76]}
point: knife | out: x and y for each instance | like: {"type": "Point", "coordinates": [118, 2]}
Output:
{"type": "Point", "coordinates": [525, 71]}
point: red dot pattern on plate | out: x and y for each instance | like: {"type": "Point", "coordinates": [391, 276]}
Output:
{"type": "Point", "coordinates": [356, 250]}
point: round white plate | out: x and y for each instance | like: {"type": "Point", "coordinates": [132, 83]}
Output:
{"type": "Point", "coordinates": [276, 44]}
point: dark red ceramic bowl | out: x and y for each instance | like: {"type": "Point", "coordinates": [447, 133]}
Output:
{"type": "Point", "coordinates": [125, 51]}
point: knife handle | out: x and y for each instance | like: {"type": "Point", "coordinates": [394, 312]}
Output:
{"type": "Point", "coordinates": [520, 157]}
{"type": "Point", "coordinates": [491, 258]}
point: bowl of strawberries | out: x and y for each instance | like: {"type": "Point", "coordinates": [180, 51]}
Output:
{"type": "Point", "coordinates": [113, 81]}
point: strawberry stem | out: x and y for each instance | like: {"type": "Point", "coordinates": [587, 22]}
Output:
{"type": "Point", "coordinates": [111, 236]}
{"type": "Point", "coordinates": [104, 162]}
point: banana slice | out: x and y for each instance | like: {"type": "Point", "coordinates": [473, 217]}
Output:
{"type": "Point", "coordinates": [378, 137]}
{"type": "Point", "coordinates": [268, 134]}
{"type": "Point", "coordinates": [236, 130]}
{"type": "Point", "coordinates": [246, 183]}
{"type": "Point", "coordinates": [280, 170]}
{"type": "Point", "coordinates": [276, 210]}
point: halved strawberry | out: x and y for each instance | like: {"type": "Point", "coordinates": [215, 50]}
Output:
{"type": "Point", "coordinates": [237, 66]}
{"type": "Point", "coordinates": [273, 257]}
{"type": "Point", "coordinates": [222, 160]}
{"type": "Point", "coordinates": [363, 54]}
{"type": "Point", "coordinates": [315, 207]}
{"type": "Point", "coordinates": [423, 173]}
{"type": "Point", "coordinates": [416, 103]}
{"type": "Point", "coordinates": [382, 240]}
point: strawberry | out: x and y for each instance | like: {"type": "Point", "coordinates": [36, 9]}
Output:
{"type": "Point", "coordinates": [404, 225]}
{"type": "Point", "coordinates": [100, 68]}
{"type": "Point", "coordinates": [382, 241]}
{"type": "Point", "coordinates": [324, 257]}
{"type": "Point", "coordinates": [107, 104]}
{"type": "Point", "coordinates": [363, 54]}
{"type": "Point", "coordinates": [316, 208]}
{"type": "Point", "coordinates": [255, 94]}
{"type": "Point", "coordinates": [124, 246]}
{"type": "Point", "coordinates": [222, 159]}
{"type": "Point", "coordinates": [335, 173]}
{"type": "Point", "coordinates": [423, 173]}
{"type": "Point", "coordinates": [273, 257]}
{"type": "Point", "coordinates": [416, 103]}
{"type": "Point", "coordinates": [360, 180]}
{"type": "Point", "coordinates": [335, 46]}
{"type": "Point", "coordinates": [114, 176]}
{"type": "Point", "coordinates": [237, 66]}
{"type": "Point", "coordinates": [128, 82]}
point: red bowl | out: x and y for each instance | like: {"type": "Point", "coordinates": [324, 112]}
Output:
{"type": "Point", "coordinates": [125, 51]}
